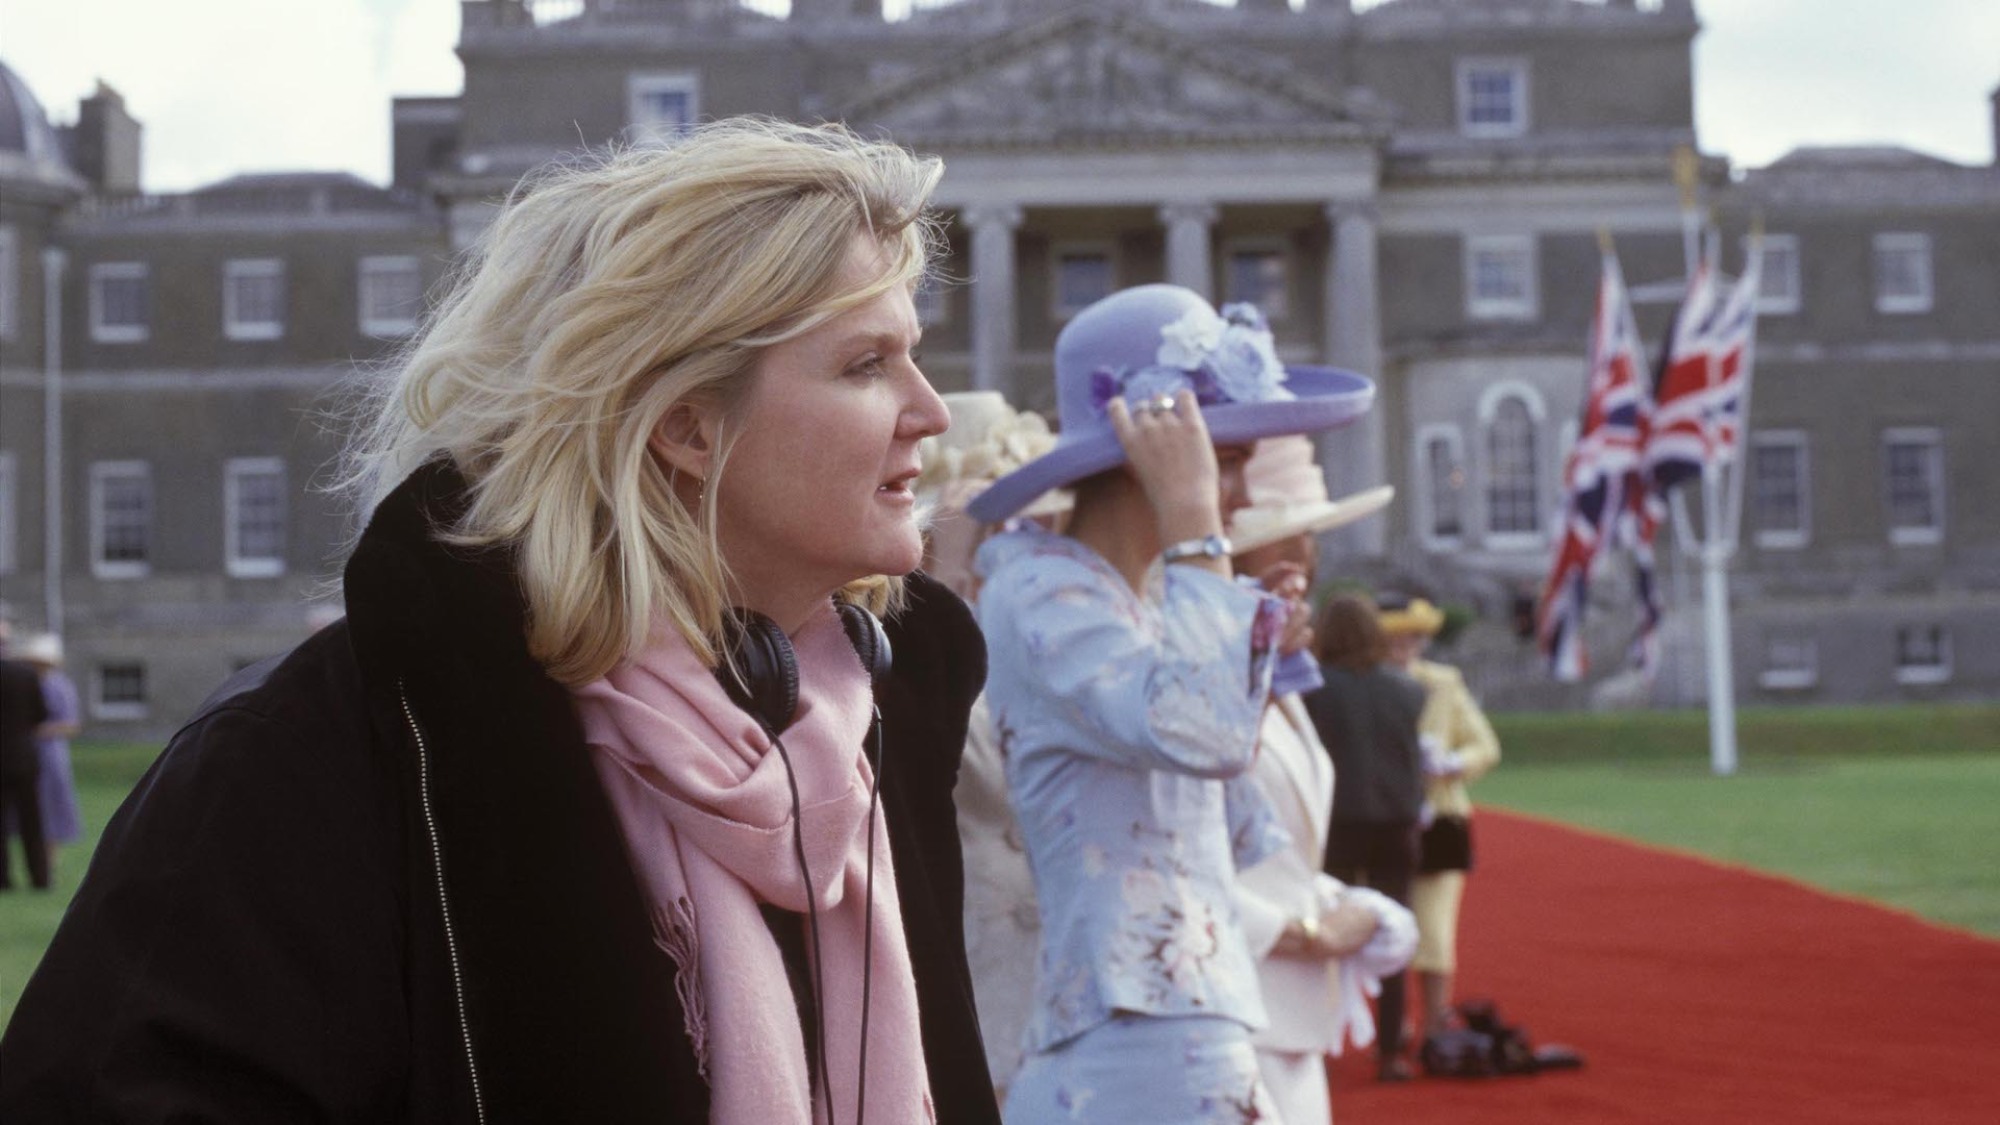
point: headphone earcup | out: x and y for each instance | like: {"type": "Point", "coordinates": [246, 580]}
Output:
{"type": "Point", "coordinates": [765, 676]}
{"type": "Point", "coordinates": [870, 640]}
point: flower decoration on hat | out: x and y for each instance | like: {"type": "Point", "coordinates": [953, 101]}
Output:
{"type": "Point", "coordinates": [1226, 357]}
{"type": "Point", "coordinates": [1009, 441]}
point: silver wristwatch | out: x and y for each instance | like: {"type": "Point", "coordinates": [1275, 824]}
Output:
{"type": "Point", "coordinates": [1207, 547]}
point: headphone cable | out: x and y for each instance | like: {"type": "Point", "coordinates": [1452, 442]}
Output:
{"type": "Point", "coordinates": [868, 924]}
{"type": "Point", "coordinates": [818, 967]}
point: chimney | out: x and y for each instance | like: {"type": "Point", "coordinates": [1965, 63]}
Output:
{"type": "Point", "coordinates": [424, 136]}
{"type": "Point", "coordinates": [106, 142]}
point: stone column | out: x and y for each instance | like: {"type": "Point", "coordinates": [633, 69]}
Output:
{"type": "Point", "coordinates": [1188, 226]}
{"type": "Point", "coordinates": [1356, 457]}
{"type": "Point", "coordinates": [993, 226]}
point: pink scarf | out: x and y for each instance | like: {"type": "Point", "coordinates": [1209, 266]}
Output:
{"type": "Point", "coordinates": [707, 816]}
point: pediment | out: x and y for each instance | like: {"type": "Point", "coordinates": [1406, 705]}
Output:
{"type": "Point", "coordinates": [1093, 74]}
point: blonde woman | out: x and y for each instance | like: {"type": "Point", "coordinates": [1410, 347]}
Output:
{"type": "Point", "coordinates": [532, 834]}
{"type": "Point", "coordinates": [1459, 748]}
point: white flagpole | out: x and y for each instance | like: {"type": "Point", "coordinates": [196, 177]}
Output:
{"type": "Point", "coordinates": [1717, 548]}
{"type": "Point", "coordinates": [1717, 544]}
{"type": "Point", "coordinates": [1753, 268]}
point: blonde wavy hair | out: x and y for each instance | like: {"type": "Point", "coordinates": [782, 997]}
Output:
{"type": "Point", "coordinates": [604, 294]}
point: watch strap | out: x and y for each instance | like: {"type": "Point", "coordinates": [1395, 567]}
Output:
{"type": "Point", "coordinates": [1206, 547]}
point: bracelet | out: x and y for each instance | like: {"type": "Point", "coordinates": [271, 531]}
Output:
{"type": "Point", "coordinates": [1207, 547]}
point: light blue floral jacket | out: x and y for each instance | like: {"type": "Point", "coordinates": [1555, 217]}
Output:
{"type": "Point", "coordinates": [1127, 724]}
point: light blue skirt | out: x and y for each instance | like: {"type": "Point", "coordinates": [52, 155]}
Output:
{"type": "Point", "coordinates": [1190, 1070]}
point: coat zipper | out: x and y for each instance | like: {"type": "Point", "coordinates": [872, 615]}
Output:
{"type": "Point", "coordinates": [444, 904]}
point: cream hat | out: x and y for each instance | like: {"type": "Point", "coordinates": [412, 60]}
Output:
{"type": "Point", "coordinates": [988, 439]}
{"type": "Point", "coordinates": [1288, 496]}
{"type": "Point", "coordinates": [42, 648]}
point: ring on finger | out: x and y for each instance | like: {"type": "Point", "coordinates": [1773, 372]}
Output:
{"type": "Point", "coordinates": [1160, 404]}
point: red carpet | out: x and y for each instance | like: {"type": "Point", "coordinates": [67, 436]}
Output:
{"type": "Point", "coordinates": [1702, 993]}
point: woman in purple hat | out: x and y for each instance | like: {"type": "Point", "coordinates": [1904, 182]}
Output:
{"type": "Point", "coordinates": [1128, 676]}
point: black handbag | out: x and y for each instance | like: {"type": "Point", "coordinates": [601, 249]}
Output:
{"type": "Point", "coordinates": [1446, 846]}
{"type": "Point", "coordinates": [1486, 1046]}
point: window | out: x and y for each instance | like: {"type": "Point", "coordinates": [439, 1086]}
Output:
{"type": "Point", "coordinates": [118, 303]}
{"type": "Point", "coordinates": [390, 294]}
{"type": "Point", "coordinates": [1441, 493]}
{"type": "Point", "coordinates": [1500, 282]}
{"type": "Point", "coordinates": [10, 282]}
{"type": "Point", "coordinates": [661, 107]}
{"type": "Point", "coordinates": [1790, 663]}
{"type": "Point", "coordinates": [253, 299]}
{"type": "Point", "coordinates": [9, 513]}
{"type": "Point", "coordinates": [1902, 273]}
{"type": "Point", "coordinates": [1779, 508]}
{"type": "Point", "coordinates": [1258, 275]}
{"type": "Point", "coordinates": [120, 691]}
{"type": "Point", "coordinates": [254, 517]}
{"type": "Point", "coordinates": [1512, 417]}
{"type": "Point", "coordinates": [121, 519]}
{"type": "Point", "coordinates": [1778, 280]}
{"type": "Point", "coordinates": [1913, 468]}
{"type": "Point", "coordinates": [1084, 275]}
{"type": "Point", "coordinates": [1923, 654]}
{"type": "Point", "coordinates": [1492, 97]}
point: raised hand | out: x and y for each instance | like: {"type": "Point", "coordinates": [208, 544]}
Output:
{"type": "Point", "coordinates": [1168, 450]}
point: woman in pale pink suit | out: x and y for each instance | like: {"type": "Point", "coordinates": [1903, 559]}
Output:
{"type": "Point", "coordinates": [1320, 944]}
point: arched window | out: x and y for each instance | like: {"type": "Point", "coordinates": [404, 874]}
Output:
{"type": "Point", "coordinates": [1512, 420]}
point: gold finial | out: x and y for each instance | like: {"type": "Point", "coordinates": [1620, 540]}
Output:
{"type": "Point", "coordinates": [1687, 171]}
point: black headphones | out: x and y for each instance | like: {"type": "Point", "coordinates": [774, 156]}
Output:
{"type": "Point", "coordinates": [760, 672]}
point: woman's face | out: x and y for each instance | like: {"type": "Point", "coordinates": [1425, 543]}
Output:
{"type": "Point", "coordinates": [1232, 488]}
{"type": "Point", "coordinates": [817, 489]}
{"type": "Point", "coordinates": [1405, 648]}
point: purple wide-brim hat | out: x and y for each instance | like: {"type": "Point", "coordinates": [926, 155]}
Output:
{"type": "Point", "coordinates": [1140, 343]}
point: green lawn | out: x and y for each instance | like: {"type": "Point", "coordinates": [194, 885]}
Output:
{"type": "Point", "coordinates": [104, 774]}
{"type": "Point", "coordinates": [1901, 805]}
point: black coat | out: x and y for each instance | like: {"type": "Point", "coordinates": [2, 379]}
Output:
{"type": "Point", "coordinates": [1368, 722]}
{"type": "Point", "coordinates": [378, 880]}
{"type": "Point", "coordinates": [22, 709]}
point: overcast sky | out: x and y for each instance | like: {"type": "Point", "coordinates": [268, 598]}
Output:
{"type": "Point", "coordinates": [226, 86]}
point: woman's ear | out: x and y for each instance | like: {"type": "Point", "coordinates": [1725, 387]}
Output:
{"type": "Point", "coordinates": [685, 439]}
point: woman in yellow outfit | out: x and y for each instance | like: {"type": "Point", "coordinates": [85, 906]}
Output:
{"type": "Point", "coordinates": [1459, 746]}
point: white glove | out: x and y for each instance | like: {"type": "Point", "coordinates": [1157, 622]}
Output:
{"type": "Point", "coordinates": [1438, 760]}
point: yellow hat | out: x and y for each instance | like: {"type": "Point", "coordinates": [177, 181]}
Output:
{"type": "Point", "coordinates": [1419, 616]}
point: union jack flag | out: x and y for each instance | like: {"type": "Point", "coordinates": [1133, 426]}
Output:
{"type": "Point", "coordinates": [1606, 500]}
{"type": "Point", "coordinates": [1704, 374]}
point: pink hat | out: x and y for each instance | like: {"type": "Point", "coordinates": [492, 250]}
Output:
{"type": "Point", "coordinates": [1288, 496]}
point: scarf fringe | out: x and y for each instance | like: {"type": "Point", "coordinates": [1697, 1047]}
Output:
{"type": "Point", "coordinates": [674, 932]}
